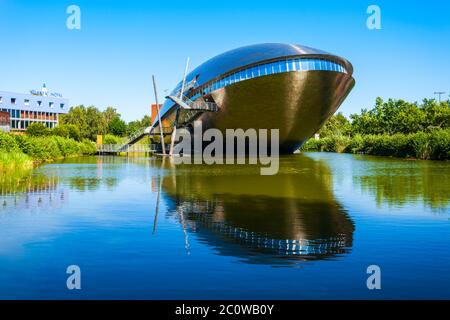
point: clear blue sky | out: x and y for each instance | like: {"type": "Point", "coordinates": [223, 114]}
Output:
{"type": "Point", "coordinates": [122, 43]}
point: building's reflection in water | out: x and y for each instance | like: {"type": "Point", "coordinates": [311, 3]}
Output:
{"type": "Point", "coordinates": [260, 219]}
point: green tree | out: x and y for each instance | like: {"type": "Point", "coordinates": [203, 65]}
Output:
{"type": "Point", "coordinates": [76, 116]}
{"type": "Point", "coordinates": [117, 127]}
{"type": "Point", "coordinates": [67, 131]}
{"type": "Point", "coordinates": [146, 121]}
{"type": "Point", "coordinates": [95, 122]}
{"type": "Point", "coordinates": [89, 121]}
{"type": "Point", "coordinates": [133, 126]}
{"type": "Point", "coordinates": [60, 131]}
{"type": "Point", "coordinates": [337, 125]}
{"type": "Point", "coordinates": [37, 129]}
{"type": "Point", "coordinates": [109, 114]}
{"type": "Point", "coordinates": [74, 132]}
{"type": "Point", "coordinates": [399, 116]}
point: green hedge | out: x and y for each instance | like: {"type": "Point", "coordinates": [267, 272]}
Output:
{"type": "Point", "coordinates": [434, 145]}
{"type": "Point", "coordinates": [45, 148]}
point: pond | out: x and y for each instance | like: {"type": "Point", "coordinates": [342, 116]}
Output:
{"type": "Point", "coordinates": [147, 228]}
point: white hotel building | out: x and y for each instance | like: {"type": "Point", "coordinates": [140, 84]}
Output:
{"type": "Point", "coordinates": [37, 106]}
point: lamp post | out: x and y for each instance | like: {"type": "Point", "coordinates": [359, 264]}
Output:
{"type": "Point", "coordinates": [439, 93]}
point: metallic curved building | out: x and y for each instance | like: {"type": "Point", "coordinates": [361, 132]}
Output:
{"type": "Point", "coordinates": [288, 87]}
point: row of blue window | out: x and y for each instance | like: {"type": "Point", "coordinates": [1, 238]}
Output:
{"type": "Point", "coordinates": [13, 113]}
{"type": "Point", "coordinates": [287, 65]}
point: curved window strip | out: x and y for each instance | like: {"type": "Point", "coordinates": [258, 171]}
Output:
{"type": "Point", "coordinates": [286, 65]}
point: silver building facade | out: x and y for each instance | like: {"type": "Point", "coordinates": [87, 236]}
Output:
{"type": "Point", "coordinates": [289, 87]}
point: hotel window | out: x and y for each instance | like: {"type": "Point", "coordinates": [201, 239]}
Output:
{"type": "Point", "coordinates": [26, 102]}
{"type": "Point", "coordinates": [13, 100]}
{"type": "Point", "coordinates": [1, 99]}
{"type": "Point", "coordinates": [51, 104]}
{"type": "Point", "coordinates": [61, 105]}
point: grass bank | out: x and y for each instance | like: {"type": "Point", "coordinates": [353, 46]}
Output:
{"type": "Point", "coordinates": [20, 152]}
{"type": "Point", "coordinates": [433, 145]}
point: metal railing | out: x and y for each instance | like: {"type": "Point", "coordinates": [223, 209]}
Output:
{"type": "Point", "coordinates": [116, 148]}
{"type": "Point", "coordinates": [136, 134]}
{"type": "Point", "coordinates": [199, 105]}
{"type": "Point", "coordinates": [188, 86]}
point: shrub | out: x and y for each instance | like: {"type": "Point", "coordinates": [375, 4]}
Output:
{"type": "Point", "coordinates": [60, 131]}
{"type": "Point", "coordinates": [440, 144]}
{"type": "Point", "coordinates": [67, 147]}
{"type": "Point", "coordinates": [111, 139]}
{"type": "Point", "coordinates": [74, 132]}
{"type": "Point", "coordinates": [67, 131]}
{"type": "Point", "coordinates": [37, 129]}
{"type": "Point", "coordinates": [88, 147]}
{"type": "Point", "coordinates": [434, 145]}
{"type": "Point", "coordinates": [8, 143]}
{"type": "Point", "coordinates": [42, 148]}
{"type": "Point", "coordinates": [311, 145]}
{"type": "Point", "coordinates": [421, 145]}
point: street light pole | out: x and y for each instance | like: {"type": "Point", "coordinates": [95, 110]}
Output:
{"type": "Point", "coordinates": [439, 93]}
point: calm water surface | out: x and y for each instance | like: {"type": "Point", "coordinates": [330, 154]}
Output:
{"type": "Point", "coordinates": [145, 228]}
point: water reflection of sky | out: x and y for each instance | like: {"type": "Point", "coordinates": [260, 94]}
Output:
{"type": "Point", "coordinates": [220, 232]}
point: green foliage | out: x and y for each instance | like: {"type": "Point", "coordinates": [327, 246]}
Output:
{"type": "Point", "coordinates": [334, 143]}
{"type": "Point", "coordinates": [67, 131]}
{"type": "Point", "coordinates": [87, 147]}
{"type": "Point", "coordinates": [392, 128]}
{"type": "Point", "coordinates": [89, 121]}
{"type": "Point", "coordinates": [8, 143]}
{"type": "Point", "coordinates": [337, 125]}
{"type": "Point", "coordinates": [44, 148]}
{"type": "Point", "coordinates": [111, 139]}
{"type": "Point", "coordinates": [434, 145]}
{"type": "Point", "coordinates": [77, 117]}
{"type": "Point", "coordinates": [11, 161]}
{"type": "Point", "coordinates": [60, 131]}
{"type": "Point", "coordinates": [398, 116]}
{"type": "Point", "coordinates": [95, 123]}
{"type": "Point", "coordinates": [110, 114]}
{"type": "Point", "coordinates": [117, 127]}
{"type": "Point", "coordinates": [137, 125]}
{"type": "Point", "coordinates": [37, 129]}
{"type": "Point", "coordinates": [74, 132]}
{"type": "Point", "coordinates": [133, 126]}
